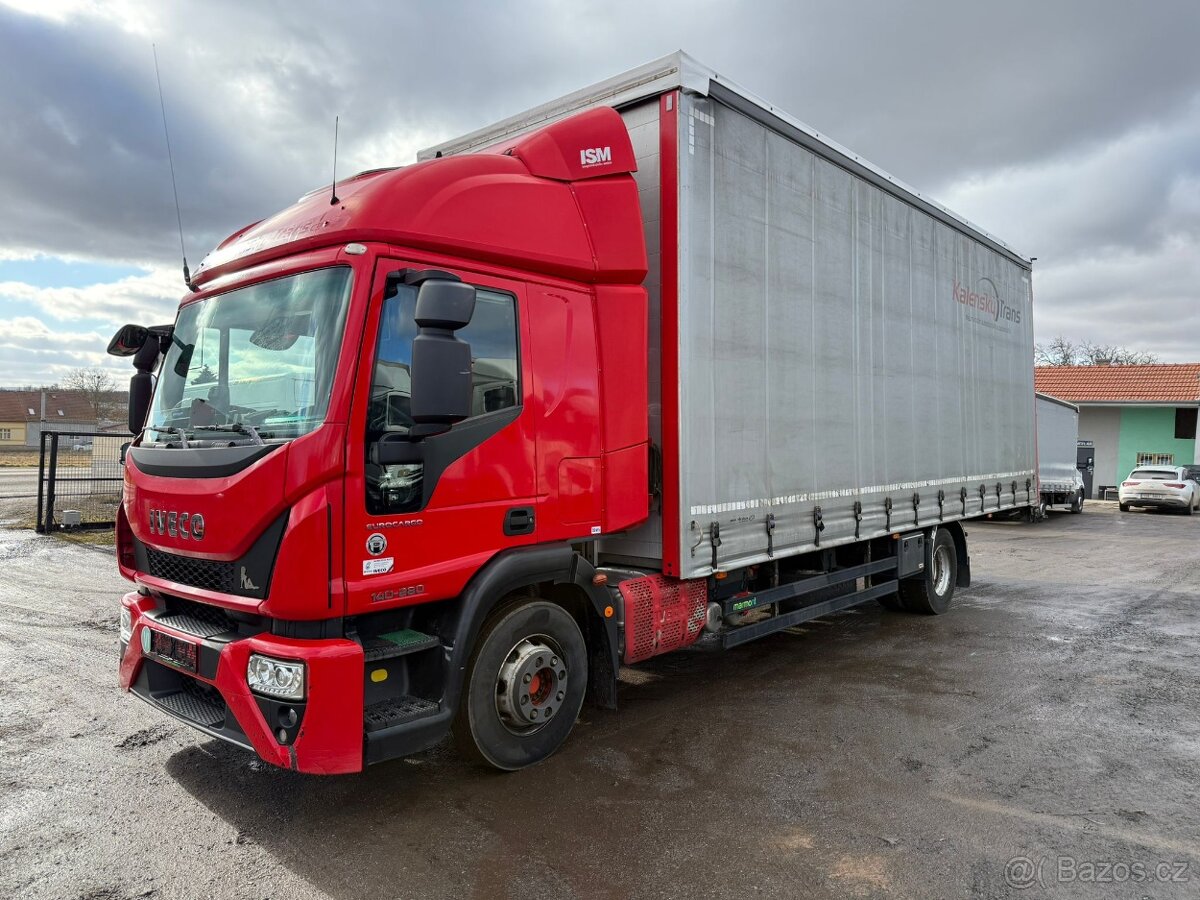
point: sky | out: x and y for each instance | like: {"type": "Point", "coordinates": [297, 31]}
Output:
{"type": "Point", "coordinates": [1069, 129]}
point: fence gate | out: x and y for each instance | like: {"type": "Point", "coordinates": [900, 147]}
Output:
{"type": "Point", "coordinates": [80, 479]}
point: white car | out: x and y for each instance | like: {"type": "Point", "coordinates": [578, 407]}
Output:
{"type": "Point", "coordinates": [1162, 487]}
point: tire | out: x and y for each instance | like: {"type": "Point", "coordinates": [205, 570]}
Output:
{"type": "Point", "coordinates": [527, 642]}
{"type": "Point", "coordinates": [1077, 503]}
{"type": "Point", "coordinates": [1124, 507]}
{"type": "Point", "coordinates": [1188, 510]}
{"type": "Point", "coordinates": [931, 592]}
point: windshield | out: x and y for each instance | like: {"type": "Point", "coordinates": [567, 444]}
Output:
{"type": "Point", "coordinates": [257, 361]}
{"type": "Point", "coordinates": [1156, 474]}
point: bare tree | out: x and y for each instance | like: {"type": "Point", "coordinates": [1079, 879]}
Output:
{"type": "Point", "coordinates": [1063, 352]}
{"type": "Point", "coordinates": [1059, 352]}
{"type": "Point", "coordinates": [97, 387]}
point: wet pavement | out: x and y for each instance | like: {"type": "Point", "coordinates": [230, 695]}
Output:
{"type": "Point", "coordinates": [1043, 739]}
{"type": "Point", "coordinates": [18, 481]}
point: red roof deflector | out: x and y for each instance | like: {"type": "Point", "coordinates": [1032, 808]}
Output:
{"type": "Point", "coordinates": [591, 144]}
{"type": "Point", "coordinates": [560, 201]}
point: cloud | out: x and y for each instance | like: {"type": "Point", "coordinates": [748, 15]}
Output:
{"type": "Point", "coordinates": [33, 353]}
{"type": "Point", "coordinates": [152, 297]}
{"type": "Point", "coordinates": [1070, 132]}
{"type": "Point", "coordinates": [251, 95]}
{"type": "Point", "coordinates": [1136, 191]}
{"type": "Point", "coordinates": [1116, 230]}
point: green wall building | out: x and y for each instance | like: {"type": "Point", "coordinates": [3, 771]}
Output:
{"type": "Point", "coordinates": [1132, 415]}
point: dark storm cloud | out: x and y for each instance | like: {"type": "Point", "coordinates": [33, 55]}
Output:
{"type": "Point", "coordinates": [85, 169]}
{"type": "Point", "coordinates": [901, 86]}
{"type": "Point", "coordinates": [936, 90]}
{"type": "Point", "coordinates": [1071, 130]}
{"type": "Point", "coordinates": [931, 93]}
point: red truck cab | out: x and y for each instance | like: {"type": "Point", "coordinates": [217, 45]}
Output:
{"type": "Point", "coordinates": [382, 428]}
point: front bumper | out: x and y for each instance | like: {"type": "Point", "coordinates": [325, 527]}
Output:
{"type": "Point", "coordinates": [323, 734]}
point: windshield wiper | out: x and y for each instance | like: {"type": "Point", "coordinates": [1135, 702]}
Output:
{"type": "Point", "coordinates": [171, 429]}
{"type": "Point", "coordinates": [236, 428]}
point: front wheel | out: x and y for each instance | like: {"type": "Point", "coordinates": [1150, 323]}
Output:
{"type": "Point", "coordinates": [932, 591]}
{"type": "Point", "coordinates": [524, 686]}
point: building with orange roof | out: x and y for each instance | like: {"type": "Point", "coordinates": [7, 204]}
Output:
{"type": "Point", "coordinates": [1129, 415]}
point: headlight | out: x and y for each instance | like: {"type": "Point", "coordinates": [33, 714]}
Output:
{"type": "Point", "coordinates": [126, 624]}
{"type": "Point", "coordinates": [275, 677]}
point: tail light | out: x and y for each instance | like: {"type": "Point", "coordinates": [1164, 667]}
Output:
{"type": "Point", "coordinates": [1130, 483]}
{"type": "Point", "coordinates": [1175, 484]}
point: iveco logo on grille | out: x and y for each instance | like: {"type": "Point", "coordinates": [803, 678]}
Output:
{"type": "Point", "coordinates": [189, 526]}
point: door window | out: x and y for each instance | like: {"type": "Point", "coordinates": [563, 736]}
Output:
{"type": "Point", "coordinates": [495, 380]}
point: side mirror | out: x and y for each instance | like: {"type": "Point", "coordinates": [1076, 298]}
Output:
{"type": "Point", "coordinates": [444, 304]}
{"type": "Point", "coordinates": [141, 386]}
{"type": "Point", "coordinates": [128, 340]}
{"type": "Point", "coordinates": [441, 362]}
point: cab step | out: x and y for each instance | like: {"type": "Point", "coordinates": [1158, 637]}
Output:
{"type": "Point", "coordinates": [396, 711]}
{"type": "Point", "coordinates": [397, 643]}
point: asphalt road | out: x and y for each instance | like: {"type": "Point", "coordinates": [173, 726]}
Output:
{"type": "Point", "coordinates": [18, 481]}
{"type": "Point", "coordinates": [1052, 718]}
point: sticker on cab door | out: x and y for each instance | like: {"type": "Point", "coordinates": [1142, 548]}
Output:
{"type": "Point", "coordinates": [378, 566]}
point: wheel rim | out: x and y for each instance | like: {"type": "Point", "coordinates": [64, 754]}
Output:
{"type": "Point", "coordinates": [531, 685]}
{"type": "Point", "coordinates": [941, 570]}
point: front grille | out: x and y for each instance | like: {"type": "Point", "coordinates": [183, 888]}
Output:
{"type": "Point", "coordinates": [196, 702]}
{"type": "Point", "coordinates": [200, 573]}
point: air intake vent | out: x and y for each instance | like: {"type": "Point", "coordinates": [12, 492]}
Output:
{"type": "Point", "coordinates": [199, 573]}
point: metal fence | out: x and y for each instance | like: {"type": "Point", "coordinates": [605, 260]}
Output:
{"type": "Point", "coordinates": [80, 479]}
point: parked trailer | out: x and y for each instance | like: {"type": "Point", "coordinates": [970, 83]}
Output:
{"type": "Point", "coordinates": [651, 361]}
{"type": "Point", "coordinates": [1059, 480]}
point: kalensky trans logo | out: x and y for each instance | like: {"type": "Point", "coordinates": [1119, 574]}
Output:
{"type": "Point", "coordinates": [986, 299]}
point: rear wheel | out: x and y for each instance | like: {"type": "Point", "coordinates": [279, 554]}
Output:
{"type": "Point", "coordinates": [524, 686]}
{"type": "Point", "coordinates": [1077, 503]}
{"type": "Point", "coordinates": [931, 592]}
{"type": "Point", "coordinates": [1124, 507]}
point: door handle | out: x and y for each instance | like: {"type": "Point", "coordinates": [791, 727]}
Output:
{"type": "Point", "coordinates": [518, 520]}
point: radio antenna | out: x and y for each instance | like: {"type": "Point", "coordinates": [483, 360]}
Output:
{"type": "Point", "coordinates": [187, 276]}
{"type": "Point", "coordinates": [333, 197]}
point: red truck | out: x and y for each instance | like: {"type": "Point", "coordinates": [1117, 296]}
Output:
{"type": "Point", "coordinates": [441, 449]}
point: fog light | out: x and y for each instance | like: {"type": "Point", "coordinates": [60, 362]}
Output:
{"type": "Point", "coordinates": [275, 677]}
{"type": "Point", "coordinates": [126, 624]}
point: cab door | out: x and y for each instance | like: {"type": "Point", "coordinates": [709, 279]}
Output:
{"type": "Point", "coordinates": [417, 532]}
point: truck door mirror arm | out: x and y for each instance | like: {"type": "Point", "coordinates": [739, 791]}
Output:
{"type": "Point", "coordinates": [404, 449]}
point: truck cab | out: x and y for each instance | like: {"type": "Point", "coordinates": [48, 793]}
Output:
{"type": "Point", "coordinates": [383, 417]}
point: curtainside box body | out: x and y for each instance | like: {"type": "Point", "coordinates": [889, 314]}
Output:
{"type": "Point", "coordinates": [1057, 444]}
{"type": "Point", "coordinates": [833, 357]}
